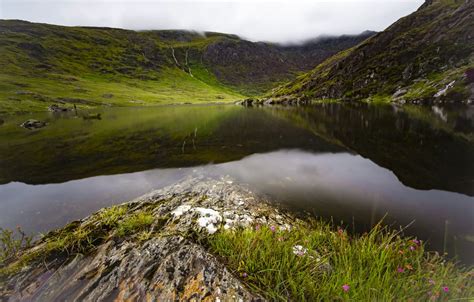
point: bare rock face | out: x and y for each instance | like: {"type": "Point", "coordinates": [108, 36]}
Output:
{"type": "Point", "coordinates": [170, 265]}
{"type": "Point", "coordinates": [163, 269]}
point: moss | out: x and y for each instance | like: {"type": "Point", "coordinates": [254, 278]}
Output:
{"type": "Point", "coordinates": [134, 223]}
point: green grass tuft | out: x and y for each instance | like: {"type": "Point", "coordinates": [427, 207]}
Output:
{"type": "Point", "coordinates": [75, 238]}
{"type": "Point", "coordinates": [378, 266]}
{"type": "Point", "coordinates": [134, 223]}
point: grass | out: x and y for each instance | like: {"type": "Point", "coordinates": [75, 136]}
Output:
{"type": "Point", "coordinates": [173, 86]}
{"type": "Point", "coordinates": [75, 238]}
{"type": "Point", "coordinates": [332, 266]}
{"type": "Point", "coordinates": [11, 245]}
{"type": "Point", "coordinates": [134, 223]}
{"type": "Point", "coordinates": [45, 64]}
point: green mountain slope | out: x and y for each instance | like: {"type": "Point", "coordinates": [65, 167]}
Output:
{"type": "Point", "coordinates": [426, 55]}
{"type": "Point", "coordinates": [44, 64]}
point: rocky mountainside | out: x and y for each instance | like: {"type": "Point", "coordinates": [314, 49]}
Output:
{"type": "Point", "coordinates": [426, 55]}
{"type": "Point", "coordinates": [90, 66]}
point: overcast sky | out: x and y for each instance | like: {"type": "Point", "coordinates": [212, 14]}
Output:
{"type": "Point", "coordinates": [257, 20]}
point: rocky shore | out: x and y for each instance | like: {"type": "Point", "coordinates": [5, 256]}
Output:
{"type": "Point", "coordinates": [161, 260]}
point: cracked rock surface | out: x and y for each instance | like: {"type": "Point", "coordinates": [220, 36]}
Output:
{"type": "Point", "coordinates": [168, 266]}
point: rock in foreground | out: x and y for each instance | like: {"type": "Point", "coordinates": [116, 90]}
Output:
{"type": "Point", "coordinates": [160, 260]}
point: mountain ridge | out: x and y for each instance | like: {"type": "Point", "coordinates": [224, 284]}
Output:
{"type": "Point", "coordinates": [93, 66]}
{"type": "Point", "coordinates": [413, 60]}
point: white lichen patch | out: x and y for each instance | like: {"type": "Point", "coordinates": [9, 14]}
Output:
{"type": "Point", "coordinates": [181, 210]}
{"type": "Point", "coordinates": [208, 219]}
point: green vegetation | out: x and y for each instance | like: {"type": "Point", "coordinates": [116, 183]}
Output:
{"type": "Point", "coordinates": [76, 237]}
{"type": "Point", "coordinates": [134, 223]}
{"type": "Point", "coordinates": [319, 263]}
{"type": "Point", "coordinates": [89, 67]}
{"type": "Point", "coordinates": [10, 246]}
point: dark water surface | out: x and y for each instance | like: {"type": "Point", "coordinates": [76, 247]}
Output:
{"type": "Point", "coordinates": [355, 163]}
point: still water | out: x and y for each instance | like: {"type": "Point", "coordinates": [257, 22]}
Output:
{"type": "Point", "coordinates": [354, 163]}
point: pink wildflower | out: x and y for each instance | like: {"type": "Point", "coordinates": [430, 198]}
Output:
{"type": "Point", "coordinates": [416, 241]}
{"type": "Point", "coordinates": [400, 269]}
{"type": "Point", "coordinates": [445, 289]}
{"type": "Point", "coordinates": [272, 228]}
{"type": "Point", "coordinates": [346, 287]}
{"type": "Point", "coordinates": [257, 227]}
{"type": "Point", "coordinates": [412, 248]}
{"type": "Point", "coordinates": [245, 275]}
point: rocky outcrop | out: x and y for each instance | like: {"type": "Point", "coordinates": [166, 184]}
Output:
{"type": "Point", "coordinates": [170, 264]}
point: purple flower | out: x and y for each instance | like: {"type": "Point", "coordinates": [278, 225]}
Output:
{"type": "Point", "coordinates": [244, 275]}
{"type": "Point", "coordinates": [416, 241]}
{"type": "Point", "coordinates": [400, 269]}
{"type": "Point", "coordinates": [273, 228]}
{"type": "Point", "coordinates": [445, 289]}
{"type": "Point", "coordinates": [346, 287]}
{"type": "Point", "coordinates": [257, 227]}
{"type": "Point", "coordinates": [412, 248]}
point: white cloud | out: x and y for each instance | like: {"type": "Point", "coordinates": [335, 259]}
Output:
{"type": "Point", "coordinates": [279, 21]}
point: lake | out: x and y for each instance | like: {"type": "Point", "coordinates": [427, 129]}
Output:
{"type": "Point", "coordinates": [353, 163]}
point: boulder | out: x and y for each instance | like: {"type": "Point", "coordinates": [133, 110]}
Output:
{"type": "Point", "coordinates": [33, 124]}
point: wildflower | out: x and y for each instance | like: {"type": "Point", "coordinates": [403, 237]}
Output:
{"type": "Point", "coordinates": [244, 275]}
{"type": "Point", "coordinates": [416, 241]}
{"type": "Point", "coordinates": [400, 269]}
{"type": "Point", "coordinates": [346, 287]}
{"type": "Point", "coordinates": [445, 289]}
{"type": "Point", "coordinates": [412, 248]}
{"type": "Point", "coordinates": [272, 228]}
{"type": "Point", "coordinates": [257, 227]}
{"type": "Point", "coordinates": [299, 250]}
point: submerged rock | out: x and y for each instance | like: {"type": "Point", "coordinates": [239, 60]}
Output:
{"type": "Point", "coordinates": [33, 124]}
{"type": "Point", "coordinates": [169, 264]}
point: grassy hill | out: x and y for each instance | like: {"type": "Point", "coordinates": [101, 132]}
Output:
{"type": "Point", "coordinates": [45, 64]}
{"type": "Point", "coordinates": [426, 55]}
